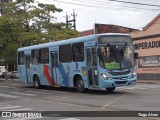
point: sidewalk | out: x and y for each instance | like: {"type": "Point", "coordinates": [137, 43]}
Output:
{"type": "Point", "coordinates": [3, 79]}
{"type": "Point", "coordinates": [149, 81]}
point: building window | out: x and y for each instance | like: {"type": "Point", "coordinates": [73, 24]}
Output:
{"type": "Point", "coordinates": [21, 58]}
{"type": "Point", "coordinates": [44, 55]}
{"type": "Point", "coordinates": [65, 53]}
{"type": "Point", "coordinates": [78, 52]}
{"type": "Point", "coordinates": [35, 56]}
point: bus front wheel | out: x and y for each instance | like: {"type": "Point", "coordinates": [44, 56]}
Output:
{"type": "Point", "coordinates": [37, 83]}
{"type": "Point", "coordinates": [110, 89]}
{"type": "Point", "coordinates": [80, 85]}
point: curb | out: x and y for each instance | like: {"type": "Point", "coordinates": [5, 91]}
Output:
{"type": "Point", "coordinates": [149, 81]}
{"type": "Point", "coordinates": [2, 80]}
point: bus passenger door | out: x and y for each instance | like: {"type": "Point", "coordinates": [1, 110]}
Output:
{"type": "Point", "coordinates": [54, 67]}
{"type": "Point", "coordinates": [27, 64]}
{"type": "Point", "coordinates": [92, 66]}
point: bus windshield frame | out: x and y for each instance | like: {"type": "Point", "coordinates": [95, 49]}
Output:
{"type": "Point", "coordinates": [116, 56]}
{"type": "Point", "coordinates": [106, 39]}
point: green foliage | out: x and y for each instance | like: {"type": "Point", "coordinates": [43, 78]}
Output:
{"type": "Point", "coordinates": [10, 52]}
{"type": "Point", "coordinates": [25, 23]}
{"type": "Point", "coordinates": [67, 33]}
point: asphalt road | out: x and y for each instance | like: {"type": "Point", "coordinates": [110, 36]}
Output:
{"type": "Point", "coordinates": [68, 104]}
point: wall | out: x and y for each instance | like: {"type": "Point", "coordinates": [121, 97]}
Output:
{"type": "Point", "coordinates": [147, 44]}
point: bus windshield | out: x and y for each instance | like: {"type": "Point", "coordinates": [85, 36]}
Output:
{"type": "Point", "coordinates": [116, 56]}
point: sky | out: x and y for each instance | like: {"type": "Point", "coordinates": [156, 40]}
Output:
{"type": "Point", "coordinates": [90, 12]}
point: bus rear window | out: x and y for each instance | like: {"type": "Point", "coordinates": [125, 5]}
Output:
{"type": "Point", "coordinates": [21, 58]}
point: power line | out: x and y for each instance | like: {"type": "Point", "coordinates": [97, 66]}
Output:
{"type": "Point", "coordinates": [124, 6]}
{"type": "Point", "coordinates": [135, 3]}
{"type": "Point", "coordinates": [93, 6]}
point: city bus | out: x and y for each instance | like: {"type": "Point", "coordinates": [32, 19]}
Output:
{"type": "Point", "coordinates": [100, 61]}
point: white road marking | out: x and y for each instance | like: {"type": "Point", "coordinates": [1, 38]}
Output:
{"type": "Point", "coordinates": [16, 84]}
{"type": "Point", "coordinates": [27, 94]}
{"type": "Point", "coordinates": [69, 119]}
{"type": "Point", "coordinates": [22, 118]}
{"type": "Point", "coordinates": [137, 87]}
{"type": "Point", "coordinates": [21, 109]}
{"type": "Point", "coordinates": [9, 107]}
{"type": "Point", "coordinates": [5, 86]}
{"type": "Point", "coordinates": [48, 92]}
{"type": "Point", "coordinates": [40, 92]}
{"type": "Point", "coordinates": [8, 96]}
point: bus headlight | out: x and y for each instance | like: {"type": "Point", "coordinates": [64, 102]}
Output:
{"type": "Point", "coordinates": [104, 76]}
{"type": "Point", "coordinates": [133, 73]}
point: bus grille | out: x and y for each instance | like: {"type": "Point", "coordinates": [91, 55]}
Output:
{"type": "Point", "coordinates": [120, 82]}
{"type": "Point", "coordinates": [119, 73]}
{"type": "Point", "coordinates": [120, 78]}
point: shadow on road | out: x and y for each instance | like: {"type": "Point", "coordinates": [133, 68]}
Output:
{"type": "Point", "coordinates": [73, 90]}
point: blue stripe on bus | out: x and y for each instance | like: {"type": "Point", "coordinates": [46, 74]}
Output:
{"type": "Point", "coordinates": [64, 74]}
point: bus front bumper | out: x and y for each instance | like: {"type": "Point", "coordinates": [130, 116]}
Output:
{"type": "Point", "coordinates": [116, 83]}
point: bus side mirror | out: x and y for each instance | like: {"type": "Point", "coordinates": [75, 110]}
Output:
{"type": "Point", "coordinates": [135, 55]}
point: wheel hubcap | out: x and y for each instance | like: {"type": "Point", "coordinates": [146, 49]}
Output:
{"type": "Point", "coordinates": [80, 84]}
{"type": "Point", "coordinates": [36, 83]}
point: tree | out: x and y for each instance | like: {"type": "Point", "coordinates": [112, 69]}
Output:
{"type": "Point", "coordinates": [24, 23]}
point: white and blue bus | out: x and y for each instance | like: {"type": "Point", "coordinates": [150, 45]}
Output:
{"type": "Point", "coordinates": [95, 61]}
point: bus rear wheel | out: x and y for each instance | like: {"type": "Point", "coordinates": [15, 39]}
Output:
{"type": "Point", "coordinates": [110, 89]}
{"type": "Point", "coordinates": [80, 85]}
{"type": "Point", "coordinates": [37, 83]}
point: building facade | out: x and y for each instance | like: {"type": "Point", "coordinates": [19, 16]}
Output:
{"type": "Point", "coordinates": [107, 28]}
{"type": "Point", "coordinates": [147, 45]}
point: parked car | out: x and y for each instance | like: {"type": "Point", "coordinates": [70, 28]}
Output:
{"type": "Point", "coordinates": [9, 75]}
{"type": "Point", "coordinates": [2, 74]}
{"type": "Point", "coordinates": [13, 74]}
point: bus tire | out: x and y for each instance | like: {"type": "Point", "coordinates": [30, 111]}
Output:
{"type": "Point", "coordinates": [110, 89]}
{"type": "Point", "coordinates": [37, 83]}
{"type": "Point", "coordinates": [80, 85]}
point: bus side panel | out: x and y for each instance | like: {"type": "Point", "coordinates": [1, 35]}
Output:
{"type": "Point", "coordinates": [67, 71]}
{"type": "Point", "coordinates": [64, 70]}
{"type": "Point", "coordinates": [72, 73]}
{"type": "Point", "coordinates": [78, 68]}
{"type": "Point", "coordinates": [22, 73]}
{"type": "Point", "coordinates": [35, 70]}
{"type": "Point", "coordinates": [43, 71]}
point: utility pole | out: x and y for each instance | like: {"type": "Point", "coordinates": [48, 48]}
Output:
{"type": "Point", "coordinates": [1, 7]}
{"type": "Point", "coordinates": [66, 20]}
{"type": "Point", "coordinates": [73, 21]}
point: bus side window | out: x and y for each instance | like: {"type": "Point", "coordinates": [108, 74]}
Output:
{"type": "Point", "coordinates": [94, 56]}
{"type": "Point", "coordinates": [78, 52]}
{"type": "Point", "coordinates": [21, 58]}
{"type": "Point", "coordinates": [65, 53]}
{"type": "Point", "coordinates": [44, 55]}
{"type": "Point", "coordinates": [35, 56]}
{"type": "Point", "coordinates": [88, 58]}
